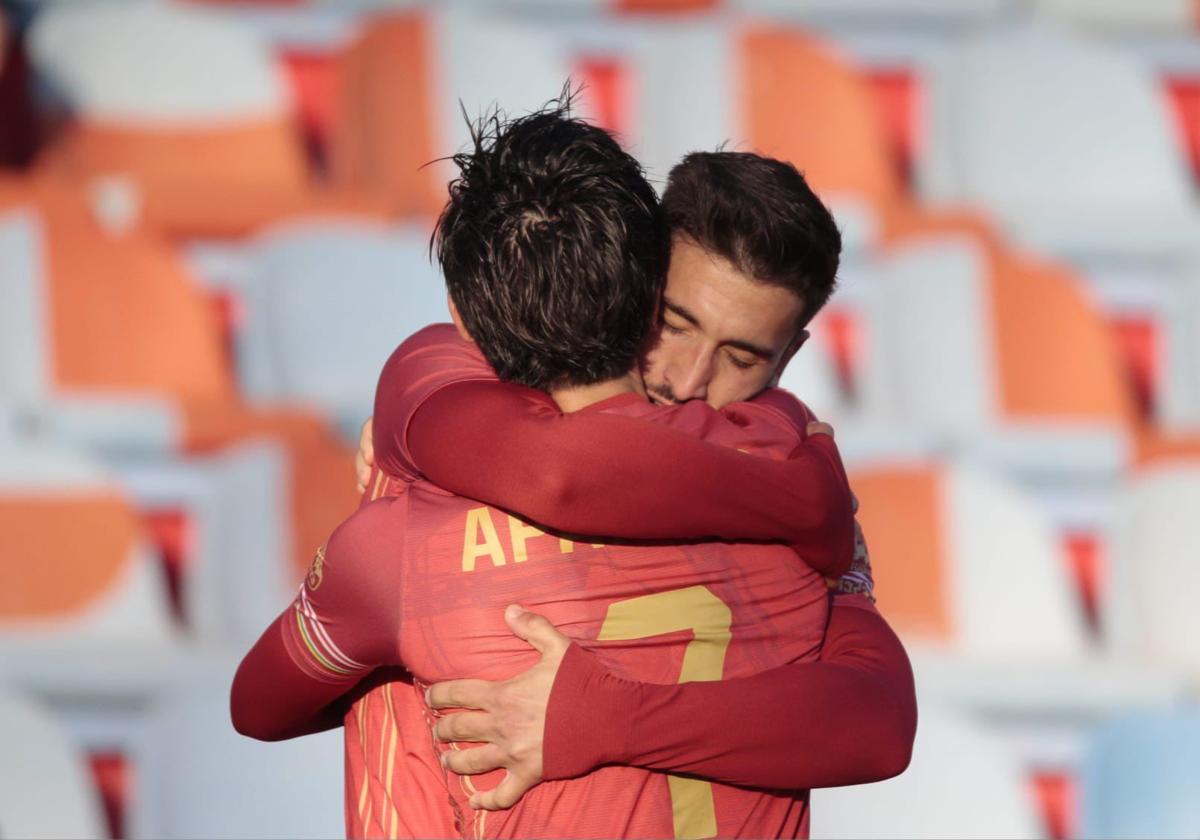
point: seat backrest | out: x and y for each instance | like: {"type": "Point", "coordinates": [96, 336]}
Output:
{"type": "Point", "coordinates": [958, 555]}
{"type": "Point", "coordinates": [775, 90]}
{"type": "Point", "coordinates": [45, 788]}
{"type": "Point", "coordinates": [197, 777]}
{"type": "Point", "coordinates": [1122, 16]}
{"type": "Point", "coordinates": [153, 62]}
{"type": "Point", "coordinates": [411, 78]}
{"type": "Point", "coordinates": [120, 314]}
{"type": "Point", "coordinates": [1140, 776]}
{"type": "Point", "coordinates": [1154, 569]}
{"type": "Point", "coordinates": [369, 286]}
{"type": "Point", "coordinates": [78, 569]}
{"type": "Point", "coordinates": [1032, 120]}
{"type": "Point", "coordinates": [962, 782]}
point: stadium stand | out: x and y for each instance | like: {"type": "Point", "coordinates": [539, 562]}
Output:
{"type": "Point", "coordinates": [45, 790]}
{"type": "Point", "coordinates": [122, 354]}
{"type": "Point", "coordinates": [213, 217]}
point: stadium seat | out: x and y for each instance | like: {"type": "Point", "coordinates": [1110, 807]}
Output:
{"type": "Point", "coordinates": [410, 81]}
{"type": "Point", "coordinates": [94, 582]}
{"type": "Point", "coordinates": [972, 568]}
{"type": "Point", "coordinates": [1154, 543]}
{"type": "Point", "coordinates": [1121, 16]}
{"type": "Point", "coordinates": [1009, 116]}
{"type": "Point", "coordinates": [197, 777]}
{"type": "Point", "coordinates": [327, 303]}
{"type": "Point", "coordinates": [1140, 777]}
{"type": "Point", "coordinates": [178, 106]}
{"type": "Point", "coordinates": [996, 352]}
{"type": "Point", "coordinates": [45, 789]}
{"type": "Point", "coordinates": [773, 90]}
{"type": "Point", "coordinates": [963, 782]}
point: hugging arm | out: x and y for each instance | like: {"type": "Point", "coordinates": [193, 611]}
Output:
{"type": "Point", "coordinates": [848, 718]}
{"type": "Point", "coordinates": [601, 473]}
{"type": "Point", "coordinates": [342, 625]}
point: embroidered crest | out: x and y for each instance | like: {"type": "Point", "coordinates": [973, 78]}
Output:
{"type": "Point", "coordinates": [316, 572]}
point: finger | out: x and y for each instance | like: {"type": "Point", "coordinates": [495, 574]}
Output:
{"type": "Point", "coordinates": [505, 795]}
{"type": "Point", "coordinates": [473, 761]}
{"type": "Point", "coordinates": [535, 629]}
{"type": "Point", "coordinates": [817, 427]}
{"type": "Point", "coordinates": [464, 726]}
{"type": "Point", "coordinates": [460, 694]}
{"type": "Point", "coordinates": [366, 441]}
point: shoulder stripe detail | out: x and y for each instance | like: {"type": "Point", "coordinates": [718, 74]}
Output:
{"type": "Point", "coordinates": [321, 635]}
{"type": "Point", "coordinates": [316, 654]}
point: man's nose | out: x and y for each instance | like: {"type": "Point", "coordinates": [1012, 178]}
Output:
{"type": "Point", "coordinates": [691, 378]}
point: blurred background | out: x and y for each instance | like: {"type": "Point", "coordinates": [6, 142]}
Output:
{"type": "Point", "coordinates": [213, 230]}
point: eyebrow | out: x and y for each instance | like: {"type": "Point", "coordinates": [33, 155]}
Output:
{"type": "Point", "coordinates": [749, 347]}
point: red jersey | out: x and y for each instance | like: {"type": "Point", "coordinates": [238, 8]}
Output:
{"type": "Point", "coordinates": [439, 570]}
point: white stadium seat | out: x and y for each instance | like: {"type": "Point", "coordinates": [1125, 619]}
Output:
{"type": "Point", "coordinates": [1154, 570]}
{"type": "Point", "coordinates": [327, 303]}
{"type": "Point", "coordinates": [45, 788]}
{"type": "Point", "coordinates": [197, 777]}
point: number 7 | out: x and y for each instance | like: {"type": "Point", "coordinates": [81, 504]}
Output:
{"type": "Point", "coordinates": [708, 617]}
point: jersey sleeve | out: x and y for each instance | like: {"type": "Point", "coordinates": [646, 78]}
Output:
{"type": "Point", "coordinates": [848, 718]}
{"type": "Point", "coordinates": [422, 365]}
{"type": "Point", "coordinates": [342, 625]}
{"type": "Point", "coordinates": [440, 415]}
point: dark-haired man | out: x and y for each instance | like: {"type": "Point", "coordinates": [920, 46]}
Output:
{"type": "Point", "coordinates": [509, 242]}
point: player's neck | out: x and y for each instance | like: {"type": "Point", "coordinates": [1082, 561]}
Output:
{"type": "Point", "coordinates": [581, 396]}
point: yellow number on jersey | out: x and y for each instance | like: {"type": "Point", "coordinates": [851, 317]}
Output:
{"type": "Point", "coordinates": [697, 609]}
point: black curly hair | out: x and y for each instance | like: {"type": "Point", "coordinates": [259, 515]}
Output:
{"type": "Point", "coordinates": [554, 248]}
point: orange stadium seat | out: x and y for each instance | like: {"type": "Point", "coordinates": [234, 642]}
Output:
{"type": "Point", "coordinates": [45, 790]}
{"type": "Point", "coordinates": [183, 105]}
{"type": "Point", "coordinates": [119, 350]}
{"type": "Point", "coordinates": [967, 564]}
{"type": "Point", "coordinates": [90, 584]}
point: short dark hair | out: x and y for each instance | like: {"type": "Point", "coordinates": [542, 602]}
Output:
{"type": "Point", "coordinates": [553, 247]}
{"type": "Point", "coordinates": [759, 214]}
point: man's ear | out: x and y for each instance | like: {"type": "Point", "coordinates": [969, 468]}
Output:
{"type": "Point", "coordinates": [792, 348]}
{"type": "Point", "coordinates": [457, 319]}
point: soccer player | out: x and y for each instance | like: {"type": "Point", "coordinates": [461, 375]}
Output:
{"type": "Point", "coordinates": [847, 719]}
{"type": "Point", "coordinates": [407, 581]}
